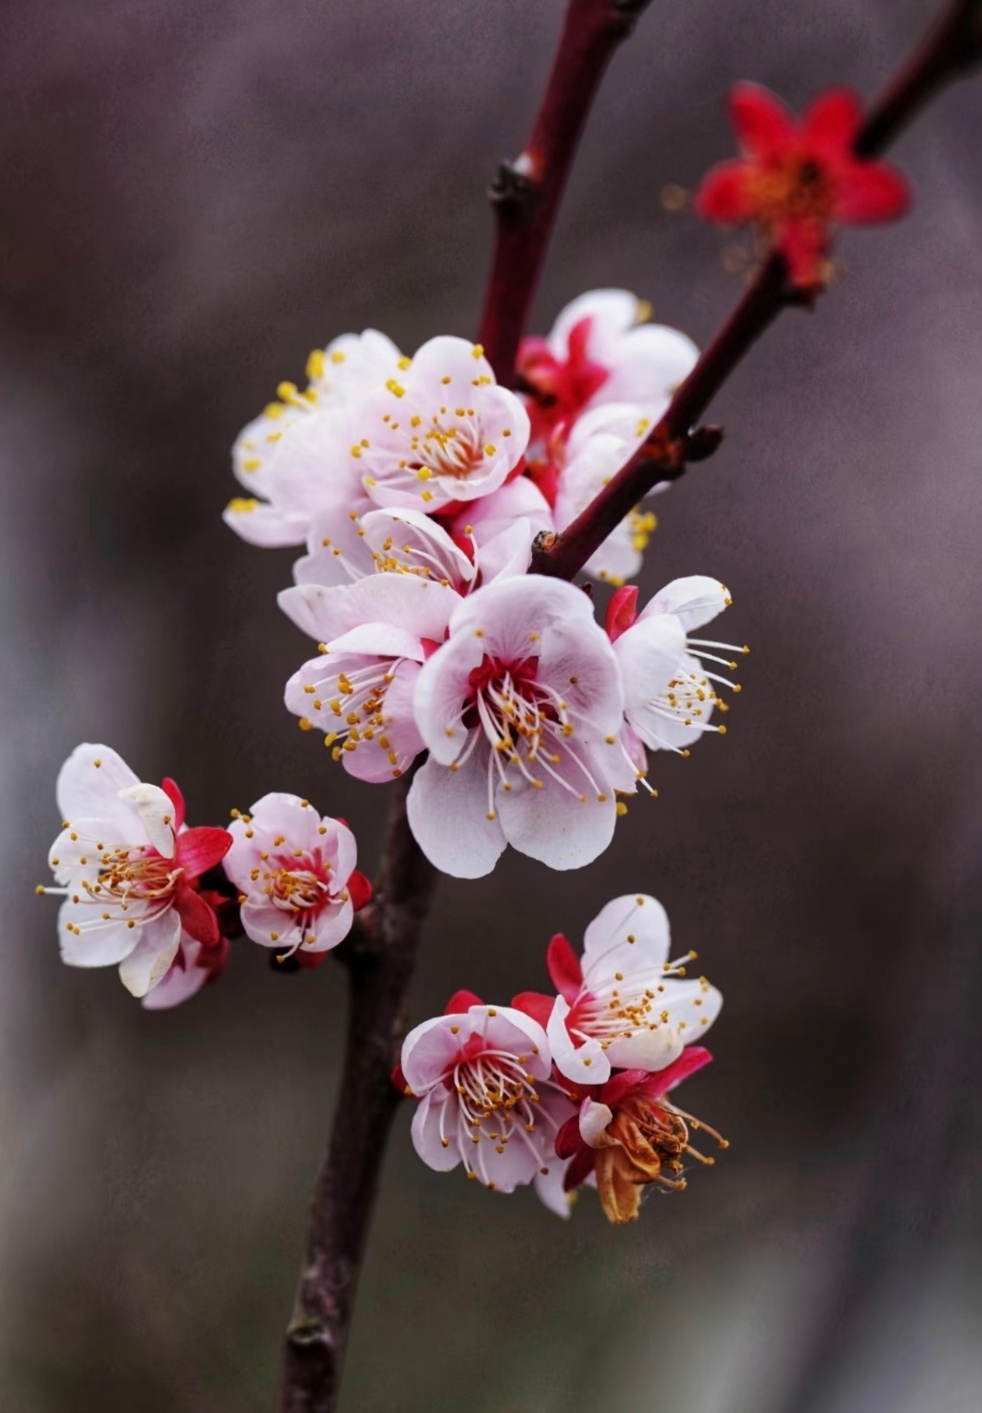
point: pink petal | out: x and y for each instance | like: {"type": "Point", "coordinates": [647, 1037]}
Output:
{"type": "Point", "coordinates": [724, 194]}
{"type": "Point", "coordinates": [870, 192]}
{"type": "Point", "coordinates": [831, 123]}
{"type": "Point", "coordinates": [564, 968]}
{"type": "Point", "coordinates": [763, 124]}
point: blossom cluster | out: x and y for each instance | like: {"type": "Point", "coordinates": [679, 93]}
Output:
{"type": "Point", "coordinates": [417, 487]}
{"type": "Point", "coordinates": [570, 1089]}
{"type": "Point", "coordinates": [143, 891]}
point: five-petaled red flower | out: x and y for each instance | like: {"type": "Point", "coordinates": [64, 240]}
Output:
{"type": "Point", "coordinates": [799, 179]}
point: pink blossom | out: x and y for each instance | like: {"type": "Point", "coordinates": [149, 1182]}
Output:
{"type": "Point", "coordinates": [374, 636]}
{"type": "Point", "coordinates": [310, 426]}
{"type": "Point", "coordinates": [628, 1134]}
{"type": "Point", "coordinates": [440, 433]}
{"type": "Point", "coordinates": [295, 872]}
{"type": "Point", "coordinates": [625, 1005]}
{"type": "Point", "coordinates": [482, 1075]}
{"type": "Point", "coordinates": [601, 351]}
{"type": "Point", "coordinates": [520, 709]}
{"type": "Point", "coordinates": [669, 691]}
{"type": "Point", "coordinates": [128, 870]}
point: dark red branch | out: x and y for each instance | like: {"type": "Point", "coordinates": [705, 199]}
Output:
{"type": "Point", "coordinates": [527, 192]}
{"type": "Point", "coordinates": [950, 50]}
{"type": "Point", "coordinates": [380, 958]}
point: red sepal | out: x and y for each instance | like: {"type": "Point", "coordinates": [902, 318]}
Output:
{"type": "Point", "coordinates": [534, 1004]}
{"type": "Point", "coordinates": [461, 1001]}
{"type": "Point", "coordinates": [198, 850]}
{"type": "Point", "coordinates": [688, 1063]}
{"type": "Point", "coordinates": [565, 971]}
{"type": "Point", "coordinates": [580, 1168]}
{"type": "Point", "coordinates": [173, 792]}
{"type": "Point", "coordinates": [399, 1079]}
{"type": "Point", "coordinates": [569, 1140]}
{"type": "Point", "coordinates": [197, 918]}
{"type": "Point", "coordinates": [359, 890]}
{"type": "Point", "coordinates": [310, 961]}
{"type": "Point", "coordinates": [622, 611]}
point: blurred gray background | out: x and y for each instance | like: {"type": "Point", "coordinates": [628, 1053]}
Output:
{"type": "Point", "coordinates": [197, 192]}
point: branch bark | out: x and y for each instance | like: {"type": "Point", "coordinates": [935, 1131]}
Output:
{"type": "Point", "coordinates": [380, 958]}
{"type": "Point", "coordinates": [527, 191]}
{"type": "Point", "coordinates": [950, 50]}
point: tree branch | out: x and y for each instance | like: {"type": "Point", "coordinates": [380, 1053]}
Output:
{"type": "Point", "coordinates": [380, 957]}
{"type": "Point", "coordinates": [527, 192]}
{"type": "Point", "coordinates": [950, 50]}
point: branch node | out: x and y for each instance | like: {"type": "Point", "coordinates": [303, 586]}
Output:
{"type": "Point", "coordinates": [704, 442]}
{"type": "Point", "coordinates": [513, 192]}
{"type": "Point", "coordinates": [543, 542]}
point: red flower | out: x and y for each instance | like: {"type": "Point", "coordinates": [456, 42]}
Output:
{"type": "Point", "coordinates": [798, 180]}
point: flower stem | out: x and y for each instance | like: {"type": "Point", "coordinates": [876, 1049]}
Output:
{"type": "Point", "coordinates": [379, 956]}
{"type": "Point", "coordinates": [950, 50]}
{"type": "Point", "coordinates": [527, 192]}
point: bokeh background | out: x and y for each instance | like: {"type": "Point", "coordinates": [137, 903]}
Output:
{"type": "Point", "coordinates": [197, 192]}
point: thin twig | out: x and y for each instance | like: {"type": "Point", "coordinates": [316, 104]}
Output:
{"type": "Point", "coordinates": [380, 958]}
{"type": "Point", "coordinates": [527, 192]}
{"type": "Point", "coordinates": [951, 49]}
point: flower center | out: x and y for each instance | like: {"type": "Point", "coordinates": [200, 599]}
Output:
{"type": "Point", "coordinates": [297, 890]}
{"type": "Point", "coordinates": [356, 699]}
{"type": "Point", "coordinates": [798, 188]}
{"type": "Point", "coordinates": [449, 449]}
{"type": "Point", "coordinates": [133, 872]}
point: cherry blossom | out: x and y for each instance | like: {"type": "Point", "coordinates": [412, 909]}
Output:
{"type": "Point", "coordinates": [628, 1135]}
{"type": "Point", "coordinates": [482, 1075]}
{"type": "Point", "coordinates": [669, 691]}
{"type": "Point", "coordinates": [440, 433]}
{"type": "Point", "coordinates": [283, 492]}
{"type": "Point", "coordinates": [373, 637]}
{"type": "Point", "coordinates": [127, 869]}
{"type": "Point", "coordinates": [798, 180]}
{"type": "Point", "coordinates": [296, 875]}
{"type": "Point", "coordinates": [600, 351]}
{"type": "Point", "coordinates": [625, 1006]}
{"type": "Point", "coordinates": [520, 710]}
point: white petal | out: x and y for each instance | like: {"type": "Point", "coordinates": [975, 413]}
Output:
{"type": "Point", "coordinates": [431, 1048]}
{"type": "Point", "coordinates": [442, 688]}
{"type": "Point", "coordinates": [264, 525]}
{"type": "Point", "coordinates": [88, 787]}
{"type": "Point", "coordinates": [438, 1152]}
{"type": "Point", "coordinates": [612, 312]}
{"type": "Point", "coordinates": [180, 983]}
{"type": "Point", "coordinates": [649, 654]}
{"type": "Point", "coordinates": [594, 1119]}
{"type": "Point", "coordinates": [155, 809]}
{"type": "Point", "coordinates": [150, 959]}
{"type": "Point", "coordinates": [448, 811]}
{"type": "Point", "coordinates": [549, 1187]}
{"type": "Point", "coordinates": [694, 600]}
{"type": "Point", "coordinates": [585, 1062]}
{"type": "Point", "coordinates": [561, 829]}
{"type": "Point", "coordinates": [104, 945]}
{"type": "Point", "coordinates": [607, 947]}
